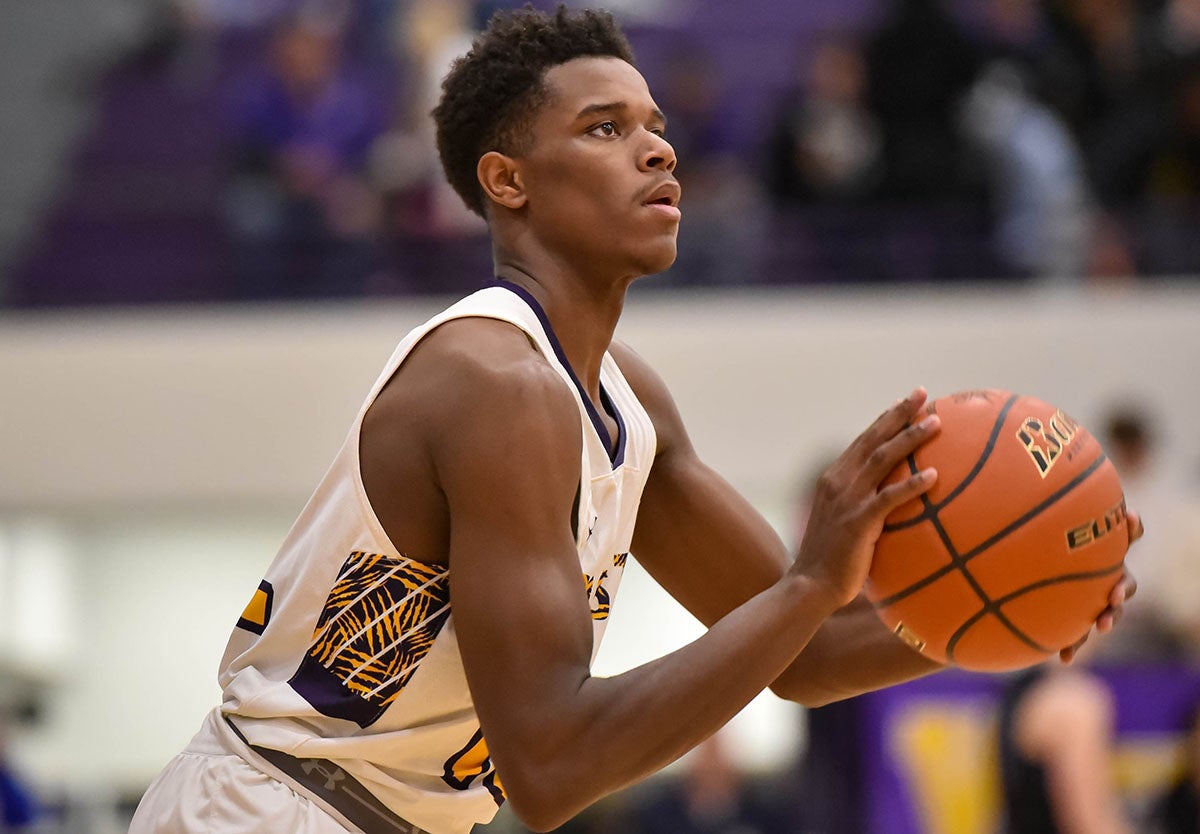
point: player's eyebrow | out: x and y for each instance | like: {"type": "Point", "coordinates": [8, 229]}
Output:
{"type": "Point", "coordinates": [616, 108]}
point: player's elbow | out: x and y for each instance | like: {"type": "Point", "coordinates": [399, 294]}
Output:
{"type": "Point", "coordinates": [539, 822]}
{"type": "Point", "coordinates": [540, 798]}
{"type": "Point", "coordinates": [806, 693]}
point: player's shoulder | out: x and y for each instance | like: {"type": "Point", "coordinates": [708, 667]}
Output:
{"type": "Point", "coordinates": [652, 392]}
{"type": "Point", "coordinates": [645, 381]}
{"type": "Point", "coordinates": [480, 343]}
{"type": "Point", "coordinates": [487, 363]}
{"type": "Point", "coordinates": [493, 409]}
{"type": "Point", "coordinates": [472, 365]}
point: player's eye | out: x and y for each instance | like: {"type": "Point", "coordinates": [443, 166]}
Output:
{"type": "Point", "coordinates": [605, 129]}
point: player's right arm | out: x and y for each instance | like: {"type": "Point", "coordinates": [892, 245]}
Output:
{"type": "Point", "coordinates": [505, 442]}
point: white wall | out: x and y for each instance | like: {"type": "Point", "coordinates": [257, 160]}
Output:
{"type": "Point", "coordinates": [160, 457]}
{"type": "Point", "coordinates": [149, 602]}
{"type": "Point", "coordinates": [249, 405]}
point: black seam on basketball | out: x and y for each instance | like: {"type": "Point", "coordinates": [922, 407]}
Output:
{"type": "Point", "coordinates": [989, 447]}
{"type": "Point", "coordinates": [952, 643]}
{"type": "Point", "coordinates": [1057, 580]}
{"type": "Point", "coordinates": [1004, 532]}
{"type": "Point", "coordinates": [1031, 514]}
{"type": "Point", "coordinates": [957, 561]}
{"type": "Point", "coordinates": [931, 510]}
{"type": "Point", "coordinates": [960, 562]}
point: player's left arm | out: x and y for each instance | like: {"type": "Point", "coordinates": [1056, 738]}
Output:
{"type": "Point", "coordinates": [709, 548]}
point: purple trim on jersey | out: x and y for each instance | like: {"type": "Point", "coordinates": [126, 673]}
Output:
{"type": "Point", "coordinates": [616, 457]}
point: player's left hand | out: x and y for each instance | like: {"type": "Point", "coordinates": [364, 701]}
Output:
{"type": "Point", "coordinates": [1125, 588]}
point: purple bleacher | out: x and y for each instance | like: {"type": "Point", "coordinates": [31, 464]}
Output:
{"type": "Point", "coordinates": [139, 217]}
{"type": "Point", "coordinates": [824, 244]}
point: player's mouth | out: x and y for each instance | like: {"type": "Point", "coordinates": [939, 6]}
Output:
{"type": "Point", "coordinates": [664, 199]}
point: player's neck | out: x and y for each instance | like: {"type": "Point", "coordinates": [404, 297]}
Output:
{"type": "Point", "coordinates": [583, 310]}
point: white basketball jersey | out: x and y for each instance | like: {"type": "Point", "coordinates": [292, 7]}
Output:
{"type": "Point", "coordinates": [347, 651]}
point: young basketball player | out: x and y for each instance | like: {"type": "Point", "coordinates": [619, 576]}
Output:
{"type": "Point", "coordinates": [419, 650]}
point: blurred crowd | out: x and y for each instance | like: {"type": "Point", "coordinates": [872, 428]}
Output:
{"type": "Point", "coordinates": [910, 140]}
{"type": "Point", "coordinates": [1074, 124]}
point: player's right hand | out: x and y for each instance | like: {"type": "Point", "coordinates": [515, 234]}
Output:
{"type": "Point", "coordinates": [1124, 590]}
{"type": "Point", "coordinates": [851, 500]}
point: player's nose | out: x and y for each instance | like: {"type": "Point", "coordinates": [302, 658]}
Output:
{"type": "Point", "coordinates": [657, 153]}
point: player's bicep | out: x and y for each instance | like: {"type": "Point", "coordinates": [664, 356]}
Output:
{"type": "Point", "coordinates": [508, 461]}
{"type": "Point", "coordinates": [702, 541]}
{"type": "Point", "coordinates": [696, 535]}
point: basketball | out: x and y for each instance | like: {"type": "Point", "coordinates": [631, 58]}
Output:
{"type": "Point", "coordinates": [1013, 552]}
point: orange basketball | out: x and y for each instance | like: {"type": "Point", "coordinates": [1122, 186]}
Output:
{"type": "Point", "coordinates": [1012, 554]}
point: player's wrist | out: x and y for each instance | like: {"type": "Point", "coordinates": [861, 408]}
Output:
{"type": "Point", "coordinates": [812, 595]}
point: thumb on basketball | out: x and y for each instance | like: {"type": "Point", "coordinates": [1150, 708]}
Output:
{"type": "Point", "coordinates": [1137, 527]}
{"type": "Point", "coordinates": [1126, 587]}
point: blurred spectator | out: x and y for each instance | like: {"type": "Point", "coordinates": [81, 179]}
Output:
{"type": "Point", "coordinates": [1036, 177]}
{"type": "Point", "coordinates": [1178, 810]}
{"type": "Point", "coordinates": [920, 65]}
{"type": "Point", "coordinates": [1173, 247]}
{"type": "Point", "coordinates": [723, 208]}
{"type": "Point", "coordinates": [825, 145]}
{"type": "Point", "coordinates": [1056, 739]}
{"type": "Point", "coordinates": [1111, 258]}
{"type": "Point", "coordinates": [18, 808]}
{"type": "Point", "coordinates": [1015, 29]}
{"type": "Point", "coordinates": [830, 778]}
{"type": "Point", "coordinates": [233, 14]}
{"type": "Point", "coordinates": [711, 796]}
{"type": "Point", "coordinates": [303, 218]}
{"type": "Point", "coordinates": [1044, 218]}
{"type": "Point", "coordinates": [1105, 73]}
{"type": "Point", "coordinates": [174, 36]}
{"type": "Point", "coordinates": [1178, 28]}
{"type": "Point", "coordinates": [1164, 623]}
{"type": "Point", "coordinates": [404, 163]}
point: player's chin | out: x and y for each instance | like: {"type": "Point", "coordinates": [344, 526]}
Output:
{"type": "Point", "coordinates": [658, 255]}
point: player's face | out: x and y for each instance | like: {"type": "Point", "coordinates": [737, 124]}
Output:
{"type": "Point", "coordinates": [599, 172]}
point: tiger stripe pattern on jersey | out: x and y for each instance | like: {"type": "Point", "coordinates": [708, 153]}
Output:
{"type": "Point", "coordinates": [377, 625]}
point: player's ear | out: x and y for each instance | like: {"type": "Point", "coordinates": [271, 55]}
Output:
{"type": "Point", "coordinates": [500, 178]}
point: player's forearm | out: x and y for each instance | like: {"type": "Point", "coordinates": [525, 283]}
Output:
{"type": "Point", "coordinates": [617, 730]}
{"type": "Point", "coordinates": [853, 652]}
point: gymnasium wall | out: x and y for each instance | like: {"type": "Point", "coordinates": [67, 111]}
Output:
{"type": "Point", "coordinates": [151, 460]}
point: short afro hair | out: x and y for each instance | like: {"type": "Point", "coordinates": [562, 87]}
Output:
{"type": "Point", "coordinates": [491, 94]}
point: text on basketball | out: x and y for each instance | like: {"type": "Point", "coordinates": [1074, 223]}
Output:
{"type": "Point", "coordinates": [1045, 440]}
{"type": "Point", "coordinates": [1097, 528]}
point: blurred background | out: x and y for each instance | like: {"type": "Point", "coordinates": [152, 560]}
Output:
{"type": "Point", "coordinates": [217, 218]}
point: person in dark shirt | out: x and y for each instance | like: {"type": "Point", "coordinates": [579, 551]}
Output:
{"type": "Point", "coordinates": [1056, 726]}
{"type": "Point", "coordinates": [1178, 812]}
